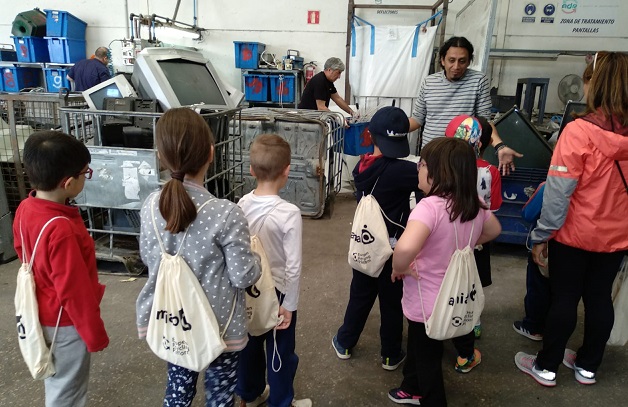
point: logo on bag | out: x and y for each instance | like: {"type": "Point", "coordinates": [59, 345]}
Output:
{"type": "Point", "coordinates": [253, 291]}
{"type": "Point", "coordinates": [21, 329]}
{"type": "Point", "coordinates": [178, 347]}
{"type": "Point", "coordinates": [174, 319]}
{"type": "Point", "coordinates": [362, 258]}
{"type": "Point", "coordinates": [365, 237]}
{"type": "Point", "coordinates": [462, 298]}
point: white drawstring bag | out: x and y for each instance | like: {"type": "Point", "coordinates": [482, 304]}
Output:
{"type": "Point", "coordinates": [460, 299]}
{"type": "Point", "coordinates": [369, 245]}
{"type": "Point", "coordinates": [182, 328]}
{"type": "Point", "coordinates": [262, 305]}
{"type": "Point", "coordinates": [619, 333]}
{"type": "Point", "coordinates": [35, 351]}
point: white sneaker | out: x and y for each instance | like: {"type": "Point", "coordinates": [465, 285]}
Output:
{"type": "Point", "coordinates": [302, 403]}
{"type": "Point", "coordinates": [261, 399]}
{"type": "Point", "coordinates": [527, 364]}
{"type": "Point", "coordinates": [582, 376]}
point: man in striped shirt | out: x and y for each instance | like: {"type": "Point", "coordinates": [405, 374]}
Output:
{"type": "Point", "coordinates": [454, 91]}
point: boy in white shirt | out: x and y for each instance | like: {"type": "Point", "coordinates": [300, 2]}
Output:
{"type": "Point", "coordinates": [277, 223]}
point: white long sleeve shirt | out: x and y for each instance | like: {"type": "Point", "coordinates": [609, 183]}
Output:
{"type": "Point", "coordinates": [281, 236]}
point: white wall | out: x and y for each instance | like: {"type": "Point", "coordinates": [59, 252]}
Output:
{"type": "Point", "coordinates": [282, 25]}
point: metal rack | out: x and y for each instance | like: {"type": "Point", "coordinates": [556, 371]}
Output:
{"type": "Point", "coordinates": [123, 177]}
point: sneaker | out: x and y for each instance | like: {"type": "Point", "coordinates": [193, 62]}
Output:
{"type": "Point", "coordinates": [477, 331]}
{"type": "Point", "coordinates": [582, 376]}
{"type": "Point", "coordinates": [393, 363]}
{"type": "Point", "coordinates": [464, 365]}
{"type": "Point", "coordinates": [518, 327]}
{"type": "Point", "coordinates": [401, 397]}
{"type": "Point", "coordinates": [341, 352]}
{"type": "Point", "coordinates": [261, 399]}
{"type": "Point", "coordinates": [527, 364]}
{"type": "Point", "coordinates": [301, 403]}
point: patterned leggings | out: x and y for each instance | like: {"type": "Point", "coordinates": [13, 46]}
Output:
{"type": "Point", "coordinates": [220, 382]}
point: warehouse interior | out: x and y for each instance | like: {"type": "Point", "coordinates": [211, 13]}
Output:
{"type": "Point", "coordinates": [255, 59]}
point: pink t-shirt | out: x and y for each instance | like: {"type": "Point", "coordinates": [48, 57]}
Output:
{"type": "Point", "coordinates": [433, 259]}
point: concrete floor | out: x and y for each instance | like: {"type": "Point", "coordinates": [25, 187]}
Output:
{"type": "Point", "coordinates": [128, 374]}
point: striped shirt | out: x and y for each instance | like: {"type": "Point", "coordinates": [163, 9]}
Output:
{"type": "Point", "coordinates": [440, 100]}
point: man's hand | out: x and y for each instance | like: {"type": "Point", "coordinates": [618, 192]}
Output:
{"type": "Point", "coordinates": [506, 157]}
{"type": "Point", "coordinates": [287, 318]}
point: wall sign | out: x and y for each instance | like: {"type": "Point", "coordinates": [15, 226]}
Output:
{"type": "Point", "coordinates": [313, 16]}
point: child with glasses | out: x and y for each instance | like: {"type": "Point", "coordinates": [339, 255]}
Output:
{"type": "Point", "coordinates": [64, 268]}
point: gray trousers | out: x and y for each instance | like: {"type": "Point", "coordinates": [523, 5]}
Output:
{"type": "Point", "coordinates": [68, 387]}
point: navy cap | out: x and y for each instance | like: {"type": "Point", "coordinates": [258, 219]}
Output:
{"type": "Point", "coordinates": [389, 126]}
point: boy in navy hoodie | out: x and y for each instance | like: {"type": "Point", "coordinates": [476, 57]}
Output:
{"type": "Point", "coordinates": [391, 181]}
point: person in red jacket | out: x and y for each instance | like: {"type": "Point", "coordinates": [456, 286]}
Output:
{"type": "Point", "coordinates": [583, 224]}
{"type": "Point", "coordinates": [64, 267]}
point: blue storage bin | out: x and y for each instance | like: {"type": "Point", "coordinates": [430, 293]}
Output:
{"type": "Point", "coordinates": [31, 49]}
{"type": "Point", "coordinates": [282, 88]}
{"type": "Point", "coordinates": [256, 88]}
{"type": "Point", "coordinates": [63, 24]}
{"type": "Point", "coordinates": [16, 78]}
{"type": "Point", "coordinates": [65, 50]}
{"type": "Point", "coordinates": [247, 54]}
{"type": "Point", "coordinates": [517, 188]}
{"type": "Point", "coordinates": [358, 139]}
{"type": "Point", "coordinates": [56, 78]}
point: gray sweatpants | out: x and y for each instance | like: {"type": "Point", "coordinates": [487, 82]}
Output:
{"type": "Point", "coordinates": [68, 387]}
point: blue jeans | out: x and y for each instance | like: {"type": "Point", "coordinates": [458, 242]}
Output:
{"type": "Point", "coordinates": [281, 366]}
{"type": "Point", "coordinates": [537, 300]}
{"type": "Point", "coordinates": [220, 380]}
{"type": "Point", "coordinates": [364, 290]}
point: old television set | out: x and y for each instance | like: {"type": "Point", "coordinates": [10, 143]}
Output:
{"type": "Point", "coordinates": [116, 87]}
{"type": "Point", "coordinates": [571, 109]}
{"type": "Point", "coordinates": [180, 77]}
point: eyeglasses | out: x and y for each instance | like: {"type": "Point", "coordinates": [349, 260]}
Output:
{"type": "Point", "coordinates": [88, 173]}
{"type": "Point", "coordinates": [420, 165]}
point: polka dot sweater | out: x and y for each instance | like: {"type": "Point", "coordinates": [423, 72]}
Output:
{"type": "Point", "coordinates": [217, 249]}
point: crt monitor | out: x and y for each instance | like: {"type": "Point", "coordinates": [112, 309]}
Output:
{"type": "Point", "coordinates": [180, 77]}
{"type": "Point", "coordinates": [116, 87]}
{"type": "Point", "coordinates": [571, 109]}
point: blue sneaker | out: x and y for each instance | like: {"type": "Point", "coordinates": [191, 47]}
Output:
{"type": "Point", "coordinates": [393, 363]}
{"type": "Point", "coordinates": [341, 352]}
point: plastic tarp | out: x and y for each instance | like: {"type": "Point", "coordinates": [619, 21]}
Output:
{"type": "Point", "coordinates": [390, 61]}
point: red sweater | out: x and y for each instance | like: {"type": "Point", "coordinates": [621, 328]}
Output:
{"type": "Point", "coordinates": [64, 268]}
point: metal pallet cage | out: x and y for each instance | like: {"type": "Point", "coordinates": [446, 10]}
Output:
{"type": "Point", "coordinates": [126, 171]}
{"type": "Point", "coordinates": [316, 140]}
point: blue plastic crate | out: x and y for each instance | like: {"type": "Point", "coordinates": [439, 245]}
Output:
{"type": "Point", "coordinates": [16, 78]}
{"type": "Point", "coordinates": [282, 88]}
{"type": "Point", "coordinates": [31, 49]}
{"type": "Point", "coordinates": [521, 184]}
{"type": "Point", "coordinates": [514, 228]}
{"type": "Point", "coordinates": [63, 24]}
{"type": "Point", "coordinates": [358, 139]}
{"type": "Point", "coordinates": [247, 54]}
{"type": "Point", "coordinates": [256, 88]}
{"type": "Point", "coordinates": [66, 50]}
{"type": "Point", "coordinates": [56, 78]}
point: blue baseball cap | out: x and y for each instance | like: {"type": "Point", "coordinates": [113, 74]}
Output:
{"type": "Point", "coordinates": [389, 127]}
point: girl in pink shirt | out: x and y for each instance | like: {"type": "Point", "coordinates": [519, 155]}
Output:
{"type": "Point", "coordinates": [448, 177]}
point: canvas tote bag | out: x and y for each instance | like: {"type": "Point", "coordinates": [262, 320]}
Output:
{"type": "Point", "coordinates": [619, 333]}
{"type": "Point", "coordinates": [262, 305]}
{"type": "Point", "coordinates": [369, 244]}
{"type": "Point", "coordinates": [460, 299]}
{"type": "Point", "coordinates": [31, 339]}
{"type": "Point", "coordinates": [182, 328]}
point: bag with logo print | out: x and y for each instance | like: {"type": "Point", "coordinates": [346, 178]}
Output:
{"type": "Point", "coordinates": [35, 351]}
{"type": "Point", "coordinates": [460, 299]}
{"type": "Point", "coordinates": [262, 305]}
{"type": "Point", "coordinates": [369, 245]}
{"type": "Point", "coordinates": [182, 328]}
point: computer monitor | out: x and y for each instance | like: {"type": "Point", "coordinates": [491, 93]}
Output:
{"type": "Point", "coordinates": [180, 77]}
{"type": "Point", "coordinates": [116, 87]}
{"type": "Point", "coordinates": [571, 108]}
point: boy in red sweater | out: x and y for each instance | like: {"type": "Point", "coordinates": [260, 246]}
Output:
{"type": "Point", "coordinates": [64, 267]}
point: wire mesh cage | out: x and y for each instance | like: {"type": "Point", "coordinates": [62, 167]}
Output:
{"type": "Point", "coordinates": [126, 170]}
